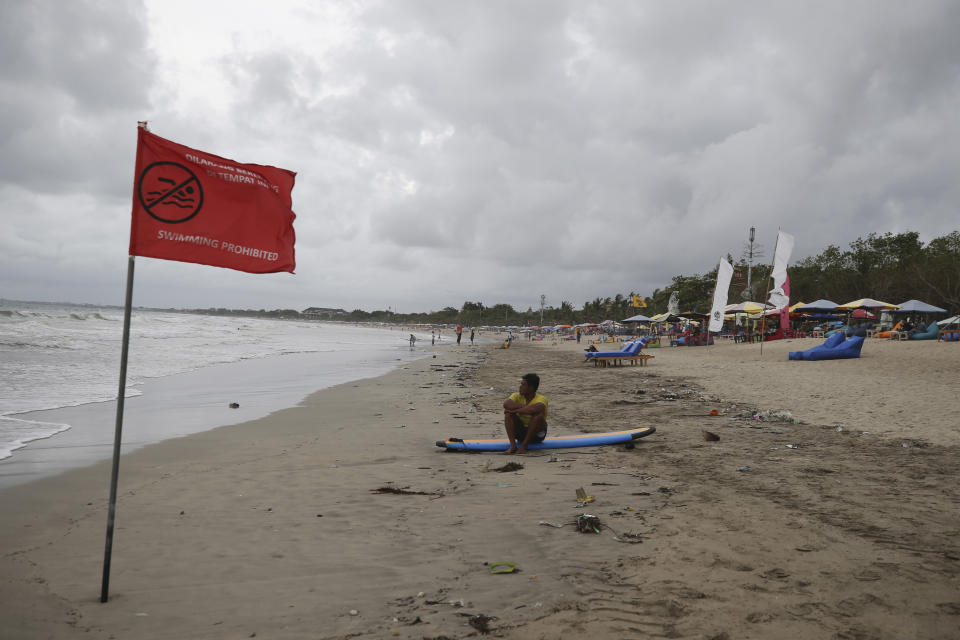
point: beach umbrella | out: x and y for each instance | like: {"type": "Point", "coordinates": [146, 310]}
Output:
{"type": "Point", "coordinates": [745, 307]}
{"type": "Point", "coordinates": [661, 317]}
{"type": "Point", "coordinates": [915, 306]}
{"type": "Point", "coordinates": [862, 313]}
{"type": "Point", "coordinates": [637, 318]}
{"type": "Point", "coordinates": [867, 303]}
{"type": "Point", "coordinates": [815, 306]}
{"type": "Point", "coordinates": [949, 322]}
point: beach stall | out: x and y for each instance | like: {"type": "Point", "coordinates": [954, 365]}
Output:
{"type": "Point", "coordinates": [864, 304]}
{"type": "Point", "coordinates": [745, 316]}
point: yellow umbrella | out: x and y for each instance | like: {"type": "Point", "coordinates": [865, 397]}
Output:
{"type": "Point", "coordinates": [867, 303]}
{"type": "Point", "coordinates": [745, 307]}
{"type": "Point", "coordinates": [660, 317]}
{"type": "Point", "coordinates": [793, 307]}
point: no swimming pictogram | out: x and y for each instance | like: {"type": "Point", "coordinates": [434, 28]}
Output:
{"type": "Point", "coordinates": [170, 192]}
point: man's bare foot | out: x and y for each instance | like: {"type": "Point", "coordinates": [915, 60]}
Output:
{"type": "Point", "coordinates": [522, 450]}
{"type": "Point", "coordinates": [512, 449]}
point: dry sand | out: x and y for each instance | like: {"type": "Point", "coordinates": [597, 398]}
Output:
{"type": "Point", "coordinates": [779, 529]}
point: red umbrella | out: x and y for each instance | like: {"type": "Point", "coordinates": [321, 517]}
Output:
{"type": "Point", "coordinates": [863, 313]}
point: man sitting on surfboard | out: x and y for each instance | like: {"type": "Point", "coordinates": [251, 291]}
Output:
{"type": "Point", "coordinates": [525, 415]}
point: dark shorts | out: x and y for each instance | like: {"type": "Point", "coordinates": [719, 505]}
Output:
{"type": "Point", "coordinates": [520, 431]}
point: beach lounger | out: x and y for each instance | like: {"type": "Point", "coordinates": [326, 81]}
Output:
{"type": "Point", "coordinates": [627, 347]}
{"type": "Point", "coordinates": [630, 352]}
{"type": "Point", "coordinates": [932, 333]}
{"type": "Point", "coordinates": [836, 347]}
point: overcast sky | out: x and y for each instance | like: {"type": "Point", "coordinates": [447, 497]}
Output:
{"type": "Point", "coordinates": [490, 151]}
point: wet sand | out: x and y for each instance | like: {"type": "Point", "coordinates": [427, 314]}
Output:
{"type": "Point", "coordinates": [784, 526]}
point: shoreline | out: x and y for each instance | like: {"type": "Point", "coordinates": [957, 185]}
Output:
{"type": "Point", "coordinates": [189, 402]}
{"type": "Point", "coordinates": [275, 526]}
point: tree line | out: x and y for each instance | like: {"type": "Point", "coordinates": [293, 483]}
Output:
{"type": "Point", "coordinates": [889, 267]}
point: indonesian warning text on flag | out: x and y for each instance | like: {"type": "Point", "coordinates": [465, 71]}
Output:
{"type": "Point", "coordinates": [193, 206]}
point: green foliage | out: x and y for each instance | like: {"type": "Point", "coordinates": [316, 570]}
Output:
{"type": "Point", "coordinates": [890, 267]}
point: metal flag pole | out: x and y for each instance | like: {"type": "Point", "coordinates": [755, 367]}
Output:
{"type": "Point", "coordinates": [114, 474]}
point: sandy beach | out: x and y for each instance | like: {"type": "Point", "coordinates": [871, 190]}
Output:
{"type": "Point", "coordinates": [823, 505]}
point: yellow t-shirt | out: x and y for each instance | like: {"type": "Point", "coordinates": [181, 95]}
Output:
{"type": "Point", "coordinates": [537, 399]}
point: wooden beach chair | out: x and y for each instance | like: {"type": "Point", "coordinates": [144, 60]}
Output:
{"type": "Point", "coordinates": [618, 360]}
{"type": "Point", "coordinates": [641, 358]}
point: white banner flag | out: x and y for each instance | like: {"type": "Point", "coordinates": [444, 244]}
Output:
{"type": "Point", "coordinates": [780, 259]}
{"type": "Point", "coordinates": [724, 273]}
{"type": "Point", "coordinates": [673, 305]}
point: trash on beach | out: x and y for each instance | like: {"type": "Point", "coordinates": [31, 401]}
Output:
{"type": "Point", "coordinates": [354, 612]}
{"type": "Point", "coordinates": [234, 405]}
{"type": "Point", "coordinates": [714, 412]}
{"type": "Point", "coordinates": [481, 623]}
{"type": "Point", "coordinates": [402, 492]}
{"type": "Point", "coordinates": [503, 567]}
{"type": "Point", "coordinates": [775, 416]}
{"type": "Point", "coordinates": [510, 466]}
{"type": "Point", "coordinates": [709, 436]}
{"type": "Point", "coordinates": [628, 538]}
{"type": "Point", "coordinates": [550, 524]}
{"type": "Point", "coordinates": [587, 523]}
{"type": "Point", "coordinates": [744, 469]}
{"type": "Point", "coordinates": [583, 497]}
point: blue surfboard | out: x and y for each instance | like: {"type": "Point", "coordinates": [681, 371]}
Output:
{"type": "Point", "coordinates": [550, 442]}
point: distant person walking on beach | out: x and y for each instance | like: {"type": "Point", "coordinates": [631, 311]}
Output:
{"type": "Point", "coordinates": [413, 340]}
{"type": "Point", "coordinates": [471, 336]}
{"type": "Point", "coordinates": [525, 415]}
{"type": "Point", "coordinates": [459, 333]}
{"type": "Point", "coordinates": [433, 337]}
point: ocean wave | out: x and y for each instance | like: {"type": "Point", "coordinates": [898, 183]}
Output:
{"type": "Point", "coordinates": [130, 391]}
{"type": "Point", "coordinates": [17, 313]}
{"type": "Point", "coordinates": [16, 433]}
{"type": "Point", "coordinates": [40, 345]}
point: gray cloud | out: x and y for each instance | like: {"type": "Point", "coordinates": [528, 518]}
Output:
{"type": "Point", "coordinates": [481, 150]}
{"type": "Point", "coordinates": [72, 72]}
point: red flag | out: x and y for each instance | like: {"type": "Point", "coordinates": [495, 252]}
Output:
{"type": "Point", "coordinates": [193, 206]}
{"type": "Point", "coordinates": [785, 312]}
